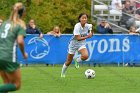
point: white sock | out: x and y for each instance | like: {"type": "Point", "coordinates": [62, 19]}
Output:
{"type": "Point", "coordinates": [64, 68]}
{"type": "Point", "coordinates": [78, 59]}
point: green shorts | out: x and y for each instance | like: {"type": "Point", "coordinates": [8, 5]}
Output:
{"type": "Point", "coordinates": [9, 66]}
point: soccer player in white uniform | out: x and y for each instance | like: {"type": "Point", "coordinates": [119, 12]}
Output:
{"type": "Point", "coordinates": [82, 31]}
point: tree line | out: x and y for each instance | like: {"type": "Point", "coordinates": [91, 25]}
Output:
{"type": "Point", "coordinates": [48, 13]}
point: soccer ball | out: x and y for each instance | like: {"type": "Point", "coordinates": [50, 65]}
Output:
{"type": "Point", "coordinates": [90, 73]}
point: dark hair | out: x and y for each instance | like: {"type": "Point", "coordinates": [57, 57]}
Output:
{"type": "Point", "coordinates": [81, 16]}
{"type": "Point", "coordinates": [21, 11]}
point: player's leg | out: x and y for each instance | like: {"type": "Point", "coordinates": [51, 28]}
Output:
{"type": "Point", "coordinates": [66, 64]}
{"type": "Point", "coordinates": [15, 82]}
{"type": "Point", "coordinates": [69, 59]}
{"type": "Point", "coordinates": [4, 77]}
{"type": "Point", "coordinates": [84, 55]}
{"type": "Point", "coordinates": [15, 78]}
{"type": "Point", "coordinates": [71, 52]}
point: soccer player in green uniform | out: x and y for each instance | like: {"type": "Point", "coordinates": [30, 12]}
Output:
{"type": "Point", "coordinates": [12, 31]}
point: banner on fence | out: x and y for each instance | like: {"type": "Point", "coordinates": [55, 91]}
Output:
{"type": "Point", "coordinates": [101, 48]}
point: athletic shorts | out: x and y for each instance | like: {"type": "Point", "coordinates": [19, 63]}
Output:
{"type": "Point", "coordinates": [9, 66]}
{"type": "Point", "coordinates": [75, 47]}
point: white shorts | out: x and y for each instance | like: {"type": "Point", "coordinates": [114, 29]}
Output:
{"type": "Point", "coordinates": [73, 50]}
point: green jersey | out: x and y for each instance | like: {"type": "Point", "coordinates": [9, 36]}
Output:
{"type": "Point", "coordinates": [8, 37]}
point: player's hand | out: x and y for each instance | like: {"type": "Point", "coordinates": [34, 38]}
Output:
{"type": "Point", "coordinates": [89, 35]}
{"type": "Point", "coordinates": [25, 55]}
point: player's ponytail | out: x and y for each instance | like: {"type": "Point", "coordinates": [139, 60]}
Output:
{"type": "Point", "coordinates": [16, 14]}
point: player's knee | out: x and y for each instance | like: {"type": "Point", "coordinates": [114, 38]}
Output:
{"type": "Point", "coordinates": [84, 57]}
{"type": "Point", "coordinates": [68, 62]}
{"type": "Point", "coordinates": [18, 87]}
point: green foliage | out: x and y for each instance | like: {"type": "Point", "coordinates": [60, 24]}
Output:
{"type": "Point", "coordinates": [48, 13]}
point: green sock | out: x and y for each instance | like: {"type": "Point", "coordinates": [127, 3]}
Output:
{"type": "Point", "coordinates": [7, 88]}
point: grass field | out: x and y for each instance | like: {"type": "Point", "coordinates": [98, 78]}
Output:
{"type": "Point", "coordinates": [39, 79]}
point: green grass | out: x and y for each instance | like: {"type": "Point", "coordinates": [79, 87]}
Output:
{"type": "Point", "coordinates": [108, 80]}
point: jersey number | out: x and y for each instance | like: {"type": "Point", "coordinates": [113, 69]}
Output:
{"type": "Point", "coordinates": [6, 29]}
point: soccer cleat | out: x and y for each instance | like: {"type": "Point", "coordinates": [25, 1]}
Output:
{"type": "Point", "coordinates": [76, 63]}
{"type": "Point", "coordinates": [63, 76]}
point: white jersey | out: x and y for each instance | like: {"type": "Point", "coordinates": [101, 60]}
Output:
{"type": "Point", "coordinates": [82, 31]}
